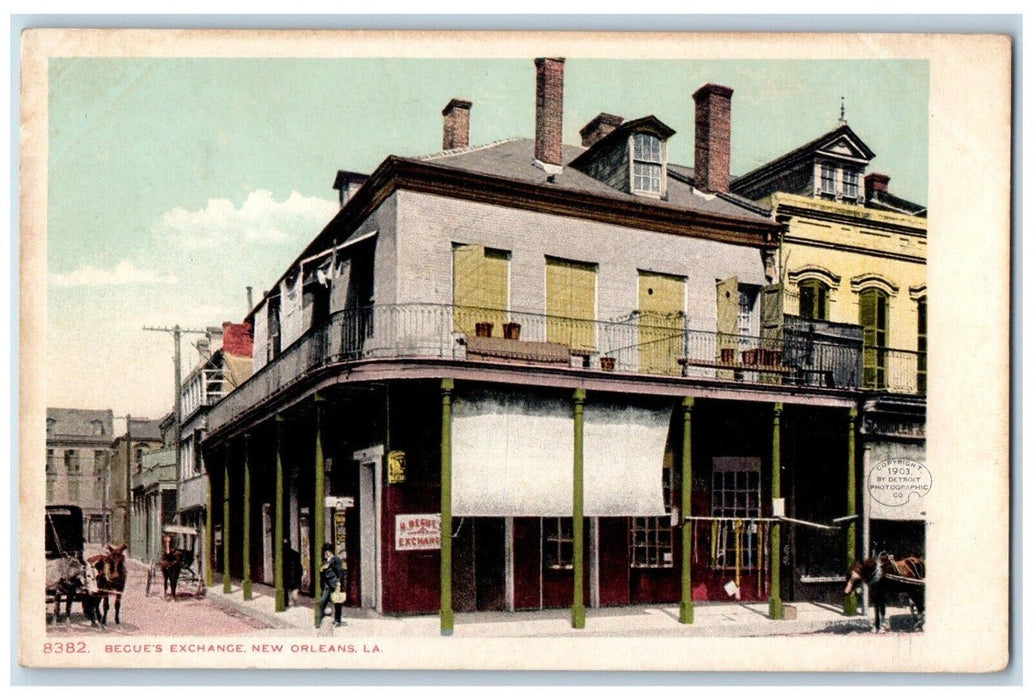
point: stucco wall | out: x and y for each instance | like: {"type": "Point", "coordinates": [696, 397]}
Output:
{"type": "Point", "coordinates": [428, 225]}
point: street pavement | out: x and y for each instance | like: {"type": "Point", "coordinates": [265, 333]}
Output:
{"type": "Point", "coordinates": [152, 614]}
{"type": "Point", "coordinates": [228, 614]}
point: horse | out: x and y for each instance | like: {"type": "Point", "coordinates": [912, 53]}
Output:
{"type": "Point", "coordinates": [171, 564]}
{"type": "Point", "coordinates": [886, 576]}
{"type": "Point", "coordinates": [70, 579]}
{"type": "Point", "coordinates": [111, 579]}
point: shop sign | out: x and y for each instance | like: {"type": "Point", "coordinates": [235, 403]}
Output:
{"type": "Point", "coordinates": [395, 467]}
{"type": "Point", "coordinates": [340, 503]}
{"type": "Point", "coordinates": [418, 531]}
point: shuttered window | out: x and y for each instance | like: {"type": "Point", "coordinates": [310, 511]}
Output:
{"type": "Point", "coordinates": [661, 335]}
{"type": "Point", "coordinates": [570, 303]}
{"type": "Point", "coordinates": [814, 300]}
{"type": "Point", "coordinates": [922, 347]}
{"type": "Point", "coordinates": [480, 287]}
{"type": "Point", "coordinates": [875, 320]}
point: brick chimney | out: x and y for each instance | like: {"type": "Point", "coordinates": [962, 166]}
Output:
{"type": "Point", "coordinates": [713, 137]}
{"type": "Point", "coordinates": [875, 182]}
{"type": "Point", "coordinates": [548, 116]}
{"type": "Point", "coordinates": [457, 124]}
{"type": "Point", "coordinates": [598, 128]}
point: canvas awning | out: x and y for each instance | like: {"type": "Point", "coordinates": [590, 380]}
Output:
{"type": "Point", "coordinates": [513, 455]}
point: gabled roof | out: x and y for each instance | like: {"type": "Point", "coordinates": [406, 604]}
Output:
{"type": "Point", "coordinates": [841, 142]}
{"type": "Point", "coordinates": [79, 422]}
{"type": "Point", "coordinates": [620, 133]}
{"type": "Point", "coordinates": [513, 159]}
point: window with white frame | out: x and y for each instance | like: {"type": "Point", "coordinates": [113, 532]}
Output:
{"type": "Point", "coordinates": [850, 184]}
{"type": "Point", "coordinates": [558, 543]}
{"type": "Point", "coordinates": [652, 543]}
{"type": "Point", "coordinates": [734, 502]}
{"type": "Point", "coordinates": [648, 164]}
{"type": "Point", "coordinates": [828, 180]}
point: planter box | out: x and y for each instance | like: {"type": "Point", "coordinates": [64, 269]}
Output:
{"type": "Point", "coordinates": [608, 363]}
{"type": "Point", "coordinates": [728, 355]}
{"type": "Point", "coordinates": [750, 357]}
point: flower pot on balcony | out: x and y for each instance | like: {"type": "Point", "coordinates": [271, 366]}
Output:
{"type": "Point", "coordinates": [511, 331]}
{"type": "Point", "coordinates": [774, 358]}
{"type": "Point", "coordinates": [727, 355]}
{"type": "Point", "coordinates": [750, 357]}
{"type": "Point", "coordinates": [483, 329]}
{"type": "Point", "coordinates": [608, 363]}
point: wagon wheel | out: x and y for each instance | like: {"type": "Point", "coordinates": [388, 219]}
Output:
{"type": "Point", "coordinates": [150, 579]}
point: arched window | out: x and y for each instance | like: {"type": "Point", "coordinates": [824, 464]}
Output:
{"type": "Point", "coordinates": [814, 300]}
{"type": "Point", "coordinates": [922, 347]}
{"type": "Point", "coordinates": [874, 305]}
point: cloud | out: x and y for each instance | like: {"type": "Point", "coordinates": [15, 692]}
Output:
{"type": "Point", "coordinates": [259, 221]}
{"type": "Point", "coordinates": [123, 273]}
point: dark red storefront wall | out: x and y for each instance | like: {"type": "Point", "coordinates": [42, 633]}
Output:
{"type": "Point", "coordinates": [613, 562]}
{"type": "Point", "coordinates": [411, 578]}
{"type": "Point", "coordinates": [527, 557]}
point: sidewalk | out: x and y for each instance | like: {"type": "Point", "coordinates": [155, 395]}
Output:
{"type": "Point", "coordinates": [711, 620]}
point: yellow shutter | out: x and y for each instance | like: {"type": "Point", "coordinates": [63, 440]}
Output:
{"type": "Point", "coordinates": [727, 324]}
{"type": "Point", "coordinates": [661, 305]}
{"type": "Point", "coordinates": [466, 273]}
{"type": "Point", "coordinates": [570, 303]}
{"type": "Point", "coordinates": [480, 287]}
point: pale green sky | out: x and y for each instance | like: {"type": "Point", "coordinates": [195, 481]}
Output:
{"type": "Point", "coordinates": [175, 183]}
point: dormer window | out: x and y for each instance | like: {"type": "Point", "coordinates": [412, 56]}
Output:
{"type": "Point", "coordinates": [648, 164]}
{"type": "Point", "coordinates": [850, 185]}
{"type": "Point", "coordinates": [828, 180]}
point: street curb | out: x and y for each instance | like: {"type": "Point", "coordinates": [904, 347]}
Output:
{"type": "Point", "coordinates": [224, 602]}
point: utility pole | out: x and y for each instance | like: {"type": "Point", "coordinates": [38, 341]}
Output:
{"type": "Point", "coordinates": [177, 334]}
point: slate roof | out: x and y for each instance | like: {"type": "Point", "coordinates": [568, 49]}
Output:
{"type": "Point", "coordinates": [513, 159]}
{"type": "Point", "coordinates": [79, 422]}
{"type": "Point", "coordinates": [146, 429]}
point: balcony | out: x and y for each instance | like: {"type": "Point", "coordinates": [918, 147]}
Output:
{"type": "Point", "coordinates": [811, 354]}
{"type": "Point", "coordinates": [156, 467]}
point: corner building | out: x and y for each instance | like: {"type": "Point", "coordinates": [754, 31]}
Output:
{"type": "Point", "coordinates": [530, 375]}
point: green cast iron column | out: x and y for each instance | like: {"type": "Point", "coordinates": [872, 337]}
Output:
{"type": "Point", "coordinates": [278, 524]}
{"type": "Point", "coordinates": [209, 536]}
{"type": "Point", "coordinates": [685, 614]}
{"type": "Point", "coordinates": [775, 603]}
{"type": "Point", "coordinates": [447, 616]}
{"type": "Point", "coordinates": [318, 511]}
{"type": "Point", "coordinates": [246, 540]}
{"type": "Point", "coordinates": [226, 523]}
{"type": "Point", "coordinates": [850, 601]}
{"type": "Point", "coordinates": [577, 613]}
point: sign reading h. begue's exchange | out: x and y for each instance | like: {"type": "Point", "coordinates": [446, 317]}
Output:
{"type": "Point", "coordinates": [418, 531]}
{"type": "Point", "coordinates": [893, 482]}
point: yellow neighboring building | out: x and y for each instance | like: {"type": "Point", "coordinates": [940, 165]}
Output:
{"type": "Point", "coordinates": [851, 252]}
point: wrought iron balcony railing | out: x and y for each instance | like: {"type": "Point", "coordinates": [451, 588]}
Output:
{"type": "Point", "coordinates": [639, 343]}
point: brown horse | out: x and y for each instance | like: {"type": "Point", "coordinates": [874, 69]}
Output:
{"type": "Point", "coordinates": [171, 564]}
{"type": "Point", "coordinates": [886, 576]}
{"type": "Point", "coordinates": [111, 579]}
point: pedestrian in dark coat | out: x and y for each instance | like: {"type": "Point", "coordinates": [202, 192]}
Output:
{"type": "Point", "coordinates": [332, 579]}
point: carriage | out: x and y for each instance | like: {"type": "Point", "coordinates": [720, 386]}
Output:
{"type": "Point", "coordinates": [182, 541]}
{"type": "Point", "coordinates": [65, 566]}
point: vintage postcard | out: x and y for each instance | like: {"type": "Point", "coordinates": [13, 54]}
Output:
{"type": "Point", "coordinates": [402, 350]}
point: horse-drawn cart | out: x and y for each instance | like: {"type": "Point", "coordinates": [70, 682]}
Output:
{"type": "Point", "coordinates": [175, 566]}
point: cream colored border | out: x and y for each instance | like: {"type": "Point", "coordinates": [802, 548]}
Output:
{"type": "Point", "coordinates": [970, 132]}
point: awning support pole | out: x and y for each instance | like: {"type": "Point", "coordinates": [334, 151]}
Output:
{"type": "Point", "coordinates": [447, 616]}
{"type": "Point", "coordinates": [246, 551]}
{"type": "Point", "coordinates": [577, 614]}
{"type": "Point", "coordinates": [281, 598]}
{"type": "Point", "coordinates": [775, 602]}
{"type": "Point", "coordinates": [318, 513]}
{"type": "Point", "coordinates": [850, 601]}
{"type": "Point", "coordinates": [209, 536]}
{"type": "Point", "coordinates": [226, 523]}
{"type": "Point", "coordinates": [685, 614]}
